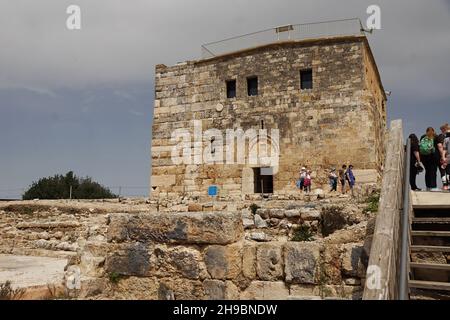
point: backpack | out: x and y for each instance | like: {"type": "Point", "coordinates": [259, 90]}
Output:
{"type": "Point", "coordinates": [307, 182]}
{"type": "Point", "coordinates": [426, 146]}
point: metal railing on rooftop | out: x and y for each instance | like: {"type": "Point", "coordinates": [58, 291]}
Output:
{"type": "Point", "coordinates": [346, 27]}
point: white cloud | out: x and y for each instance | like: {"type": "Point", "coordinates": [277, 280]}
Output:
{"type": "Point", "coordinates": [36, 90]}
{"type": "Point", "coordinates": [136, 113]}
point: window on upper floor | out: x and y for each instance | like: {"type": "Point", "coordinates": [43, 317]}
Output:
{"type": "Point", "coordinates": [252, 86]}
{"type": "Point", "coordinates": [306, 79]}
{"type": "Point", "coordinates": [231, 89]}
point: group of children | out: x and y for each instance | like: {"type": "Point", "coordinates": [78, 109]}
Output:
{"type": "Point", "coordinates": [304, 181]}
{"type": "Point", "coordinates": [344, 176]}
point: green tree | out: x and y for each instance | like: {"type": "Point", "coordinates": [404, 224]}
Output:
{"type": "Point", "coordinates": [58, 187]}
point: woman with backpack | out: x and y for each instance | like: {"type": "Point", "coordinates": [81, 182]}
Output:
{"type": "Point", "coordinates": [431, 148]}
{"type": "Point", "coordinates": [307, 182]}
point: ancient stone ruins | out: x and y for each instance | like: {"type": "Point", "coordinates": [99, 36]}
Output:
{"type": "Point", "coordinates": [318, 103]}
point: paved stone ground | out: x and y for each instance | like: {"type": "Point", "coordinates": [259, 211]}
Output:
{"type": "Point", "coordinates": [26, 271]}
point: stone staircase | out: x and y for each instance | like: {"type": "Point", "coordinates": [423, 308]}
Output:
{"type": "Point", "coordinates": [430, 252]}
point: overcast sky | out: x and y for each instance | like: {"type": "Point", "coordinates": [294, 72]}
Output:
{"type": "Point", "coordinates": [82, 100]}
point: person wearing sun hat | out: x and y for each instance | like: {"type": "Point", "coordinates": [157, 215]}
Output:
{"type": "Point", "coordinates": [301, 180]}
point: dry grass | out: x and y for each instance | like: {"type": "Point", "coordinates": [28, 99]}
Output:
{"type": "Point", "coordinates": [8, 293]}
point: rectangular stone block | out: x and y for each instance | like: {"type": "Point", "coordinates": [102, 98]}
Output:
{"type": "Point", "coordinates": [249, 261]}
{"type": "Point", "coordinates": [220, 290]}
{"type": "Point", "coordinates": [129, 260]}
{"type": "Point", "coordinates": [302, 262]}
{"type": "Point", "coordinates": [266, 290]}
{"type": "Point", "coordinates": [224, 262]}
{"type": "Point", "coordinates": [163, 180]}
{"type": "Point", "coordinates": [366, 176]}
{"type": "Point", "coordinates": [176, 228]}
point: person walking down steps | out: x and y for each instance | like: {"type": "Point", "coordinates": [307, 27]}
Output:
{"type": "Point", "coordinates": [431, 148]}
{"type": "Point", "coordinates": [415, 165]}
{"type": "Point", "coordinates": [446, 167]}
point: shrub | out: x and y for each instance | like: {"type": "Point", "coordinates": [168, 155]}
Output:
{"type": "Point", "coordinates": [373, 202]}
{"type": "Point", "coordinates": [58, 187]}
{"type": "Point", "coordinates": [8, 293]}
{"type": "Point", "coordinates": [115, 277]}
{"type": "Point", "coordinates": [333, 218]}
{"type": "Point", "coordinates": [302, 233]}
{"type": "Point", "coordinates": [253, 208]}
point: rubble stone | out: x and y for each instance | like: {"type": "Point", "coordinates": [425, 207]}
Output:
{"type": "Point", "coordinates": [260, 222]}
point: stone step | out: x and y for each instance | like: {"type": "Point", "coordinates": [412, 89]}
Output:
{"type": "Point", "coordinates": [429, 285]}
{"type": "Point", "coordinates": [423, 294]}
{"type": "Point", "coordinates": [429, 233]}
{"type": "Point", "coordinates": [431, 212]}
{"type": "Point", "coordinates": [444, 220]}
{"type": "Point", "coordinates": [422, 248]}
{"type": "Point", "coordinates": [435, 266]}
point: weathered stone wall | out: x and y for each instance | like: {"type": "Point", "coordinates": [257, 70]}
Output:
{"type": "Point", "coordinates": [214, 255]}
{"type": "Point", "coordinates": [377, 100]}
{"type": "Point", "coordinates": [50, 229]}
{"type": "Point", "coordinates": [227, 251]}
{"type": "Point", "coordinates": [341, 120]}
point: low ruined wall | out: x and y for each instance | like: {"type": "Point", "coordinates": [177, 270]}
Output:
{"type": "Point", "coordinates": [205, 255]}
{"type": "Point", "coordinates": [51, 229]}
{"type": "Point", "coordinates": [225, 251]}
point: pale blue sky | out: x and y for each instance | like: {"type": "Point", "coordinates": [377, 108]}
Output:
{"type": "Point", "coordinates": [82, 100]}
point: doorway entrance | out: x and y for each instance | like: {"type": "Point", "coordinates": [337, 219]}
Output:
{"type": "Point", "coordinates": [263, 180]}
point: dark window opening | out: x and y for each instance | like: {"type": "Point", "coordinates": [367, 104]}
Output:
{"type": "Point", "coordinates": [262, 124]}
{"type": "Point", "coordinates": [252, 86]}
{"type": "Point", "coordinates": [263, 180]}
{"type": "Point", "coordinates": [231, 89]}
{"type": "Point", "coordinates": [306, 79]}
{"type": "Point", "coordinates": [213, 150]}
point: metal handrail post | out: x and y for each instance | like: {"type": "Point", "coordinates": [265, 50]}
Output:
{"type": "Point", "coordinates": [404, 253]}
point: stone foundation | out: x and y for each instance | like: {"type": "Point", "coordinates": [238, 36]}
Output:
{"type": "Point", "coordinates": [242, 250]}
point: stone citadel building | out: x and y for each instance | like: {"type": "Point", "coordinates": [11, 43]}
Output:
{"type": "Point", "coordinates": [324, 95]}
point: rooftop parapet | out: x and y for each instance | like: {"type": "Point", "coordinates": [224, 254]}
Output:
{"type": "Point", "coordinates": [292, 32]}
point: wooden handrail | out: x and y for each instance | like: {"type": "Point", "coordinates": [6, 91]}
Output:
{"type": "Point", "coordinates": [382, 280]}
